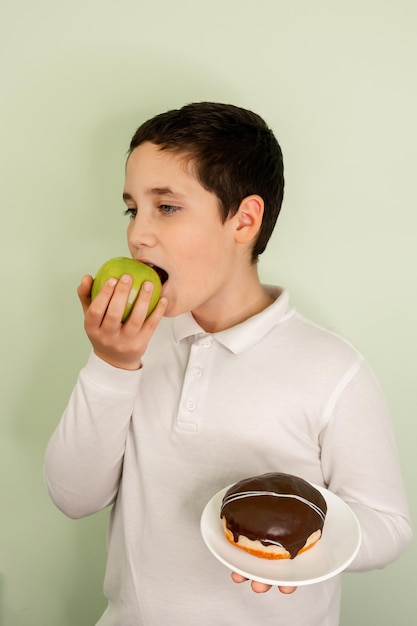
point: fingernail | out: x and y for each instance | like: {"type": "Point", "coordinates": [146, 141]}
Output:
{"type": "Point", "coordinates": [112, 282]}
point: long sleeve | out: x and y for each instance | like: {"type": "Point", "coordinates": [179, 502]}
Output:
{"type": "Point", "coordinates": [84, 457]}
{"type": "Point", "coordinates": [360, 464]}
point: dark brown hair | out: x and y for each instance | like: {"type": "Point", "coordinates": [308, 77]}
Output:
{"type": "Point", "coordinates": [234, 153]}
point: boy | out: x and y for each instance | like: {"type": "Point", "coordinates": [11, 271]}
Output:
{"type": "Point", "coordinates": [223, 381]}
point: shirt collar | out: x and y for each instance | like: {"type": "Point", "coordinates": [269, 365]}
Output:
{"type": "Point", "coordinates": [242, 336]}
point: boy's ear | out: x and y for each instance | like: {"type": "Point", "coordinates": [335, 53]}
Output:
{"type": "Point", "coordinates": [249, 218]}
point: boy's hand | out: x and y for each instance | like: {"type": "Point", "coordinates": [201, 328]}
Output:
{"type": "Point", "coordinates": [121, 345]}
{"type": "Point", "coordinates": [260, 587]}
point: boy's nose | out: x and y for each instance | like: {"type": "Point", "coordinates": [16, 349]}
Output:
{"type": "Point", "coordinates": [141, 232]}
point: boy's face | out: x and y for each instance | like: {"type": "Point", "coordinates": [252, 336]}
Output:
{"type": "Point", "coordinates": [176, 226]}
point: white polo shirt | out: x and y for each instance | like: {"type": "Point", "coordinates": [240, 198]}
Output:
{"type": "Point", "coordinates": [274, 393]}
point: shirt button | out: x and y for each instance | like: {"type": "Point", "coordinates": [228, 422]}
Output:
{"type": "Point", "coordinates": [196, 372]}
{"type": "Point", "coordinates": [207, 343]}
{"type": "Point", "coordinates": [190, 404]}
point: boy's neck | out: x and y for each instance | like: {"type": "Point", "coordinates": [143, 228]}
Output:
{"type": "Point", "coordinates": [243, 302]}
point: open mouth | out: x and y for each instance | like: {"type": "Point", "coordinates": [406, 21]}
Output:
{"type": "Point", "coordinates": [163, 275]}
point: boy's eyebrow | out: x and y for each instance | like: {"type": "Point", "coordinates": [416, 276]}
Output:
{"type": "Point", "coordinates": [162, 191]}
{"type": "Point", "coordinates": [156, 191]}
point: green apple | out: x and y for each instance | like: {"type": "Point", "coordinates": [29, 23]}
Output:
{"type": "Point", "coordinates": [115, 268]}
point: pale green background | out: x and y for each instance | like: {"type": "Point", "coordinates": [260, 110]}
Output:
{"type": "Point", "coordinates": [337, 82]}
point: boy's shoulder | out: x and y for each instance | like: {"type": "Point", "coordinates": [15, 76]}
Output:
{"type": "Point", "coordinates": [314, 348]}
{"type": "Point", "coordinates": [281, 327]}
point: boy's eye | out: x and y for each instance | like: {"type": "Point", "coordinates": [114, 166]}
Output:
{"type": "Point", "coordinates": [165, 209]}
{"type": "Point", "coordinates": [168, 209]}
{"type": "Point", "coordinates": [131, 212]}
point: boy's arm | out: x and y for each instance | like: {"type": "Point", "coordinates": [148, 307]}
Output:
{"type": "Point", "coordinates": [85, 454]}
{"type": "Point", "coordinates": [84, 457]}
{"type": "Point", "coordinates": [360, 464]}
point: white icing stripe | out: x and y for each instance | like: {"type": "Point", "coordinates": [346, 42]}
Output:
{"type": "Point", "coordinates": [249, 494]}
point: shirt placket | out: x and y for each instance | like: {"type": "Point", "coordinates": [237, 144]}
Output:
{"type": "Point", "coordinates": [195, 382]}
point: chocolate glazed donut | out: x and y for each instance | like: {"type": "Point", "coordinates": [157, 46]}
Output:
{"type": "Point", "coordinates": [273, 516]}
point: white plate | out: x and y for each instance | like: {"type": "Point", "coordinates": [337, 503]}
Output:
{"type": "Point", "coordinates": [331, 555]}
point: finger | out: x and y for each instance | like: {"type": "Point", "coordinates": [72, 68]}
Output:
{"type": "Point", "coordinates": [116, 305]}
{"type": "Point", "coordinates": [287, 590]}
{"type": "Point", "coordinates": [97, 308]}
{"type": "Point", "coordinates": [156, 315]}
{"type": "Point", "coordinates": [238, 578]}
{"type": "Point", "coordinates": [260, 587]}
{"type": "Point", "coordinates": [141, 306]}
{"type": "Point", "coordinates": [256, 586]}
{"type": "Point", "coordinates": [84, 291]}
